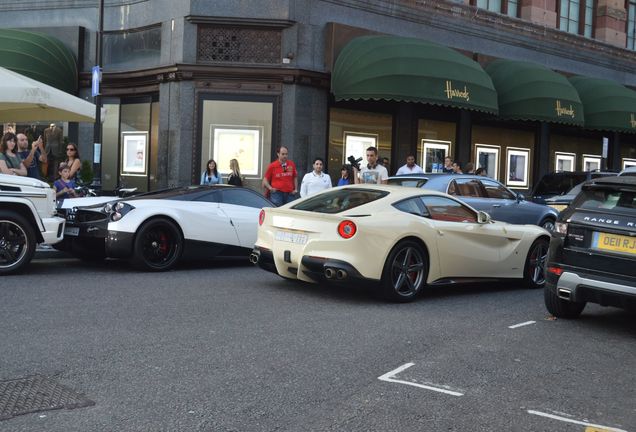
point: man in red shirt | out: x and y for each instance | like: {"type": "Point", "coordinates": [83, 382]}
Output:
{"type": "Point", "coordinates": [281, 179]}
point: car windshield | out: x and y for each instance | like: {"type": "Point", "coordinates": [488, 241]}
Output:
{"type": "Point", "coordinates": [618, 201]}
{"type": "Point", "coordinates": [339, 200]}
{"type": "Point", "coordinates": [410, 182]}
{"type": "Point", "coordinates": [558, 184]}
{"type": "Point", "coordinates": [186, 193]}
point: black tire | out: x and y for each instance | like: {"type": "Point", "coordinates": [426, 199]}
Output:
{"type": "Point", "coordinates": [17, 242]}
{"type": "Point", "coordinates": [536, 260]}
{"type": "Point", "coordinates": [561, 308]}
{"type": "Point", "coordinates": [548, 224]}
{"type": "Point", "coordinates": [158, 245]}
{"type": "Point", "coordinates": [405, 271]}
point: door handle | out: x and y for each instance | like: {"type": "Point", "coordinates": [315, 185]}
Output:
{"type": "Point", "coordinates": [496, 205]}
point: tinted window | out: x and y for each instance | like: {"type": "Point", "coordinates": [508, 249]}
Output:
{"type": "Point", "coordinates": [408, 182]}
{"type": "Point", "coordinates": [244, 197]}
{"type": "Point", "coordinates": [413, 206]}
{"type": "Point", "coordinates": [469, 188]}
{"type": "Point", "coordinates": [497, 190]}
{"type": "Point", "coordinates": [339, 200]}
{"type": "Point", "coordinates": [188, 193]}
{"type": "Point", "coordinates": [210, 197]}
{"type": "Point", "coordinates": [623, 202]}
{"type": "Point", "coordinates": [446, 209]}
{"type": "Point", "coordinates": [553, 184]}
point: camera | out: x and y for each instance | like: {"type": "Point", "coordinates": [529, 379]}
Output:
{"type": "Point", "coordinates": [354, 162]}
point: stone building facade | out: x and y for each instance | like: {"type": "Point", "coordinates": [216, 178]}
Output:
{"type": "Point", "coordinates": [186, 81]}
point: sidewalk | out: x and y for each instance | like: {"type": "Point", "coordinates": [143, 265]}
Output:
{"type": "Point", "coordinates": [45, 251]}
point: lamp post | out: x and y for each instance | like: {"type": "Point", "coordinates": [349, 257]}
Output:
{"type": "Point", "coordinates": [97, 130]}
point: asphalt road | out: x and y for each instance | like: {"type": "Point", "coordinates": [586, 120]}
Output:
{"type": "Point", "coordinates": [228, 347]}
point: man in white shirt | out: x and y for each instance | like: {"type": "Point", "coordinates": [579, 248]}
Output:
{"type": "Point", "coordinates": [373, 172]}
{"type": "Point", "coordinates": [410, 168]}
{"type": "Point", "coordinates": [316, 180]}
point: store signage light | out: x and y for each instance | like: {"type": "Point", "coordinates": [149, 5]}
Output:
{"type": "Point", "coordinates": [456, 93]}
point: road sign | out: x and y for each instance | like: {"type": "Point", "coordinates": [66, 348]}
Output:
{"type": "Point", "coordinates": [96, 78]}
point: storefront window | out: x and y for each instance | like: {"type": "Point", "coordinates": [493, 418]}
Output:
{"type": "Point", "coordinates": [570, 153]}
{"type": "Point", "coordinates": [241, 130]}
{"type": "Point", "coordinates": [351, 132]}
{"type": "Point", "coordinates": [434, 142]}
{"type": "Point", "coordinates": [129, 144]}
{"type": "Point", "coordinates": [490, 145]}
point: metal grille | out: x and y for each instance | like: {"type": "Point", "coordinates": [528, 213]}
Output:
{"type": "Point", "coordinates": [238, 45]}
{"type": "Point", "coordinates": [37, 393]}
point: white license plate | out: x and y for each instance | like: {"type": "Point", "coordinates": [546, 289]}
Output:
{"type": "Point", "coordinates": [291, 237]}
{"type": "Point", "coordinates": [71, 231]}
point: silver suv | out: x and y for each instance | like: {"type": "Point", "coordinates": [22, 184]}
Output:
{"type": "Point", "coordinates": [27, 216]}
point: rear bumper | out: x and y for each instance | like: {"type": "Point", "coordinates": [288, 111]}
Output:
{"type": "Point", "coordinates": [264, 258]}
{"type": "Point", "coordinates": [330, 270]}
{"type": "Point", "coordinates": [577, 286]}
{"type": "Point", "coordinates": [316, 269]}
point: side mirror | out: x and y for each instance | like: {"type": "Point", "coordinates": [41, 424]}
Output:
{"type": "Point", "coordinates": [520, 197]}
{"type": "Point", "coordinates": [483, 217]}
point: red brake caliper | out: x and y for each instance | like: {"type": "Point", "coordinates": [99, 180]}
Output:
{"type": "Point", "coordinates": [163, 243]}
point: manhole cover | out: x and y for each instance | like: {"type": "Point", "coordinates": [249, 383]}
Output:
{"type": "Point", "coordinates": [37, 393]}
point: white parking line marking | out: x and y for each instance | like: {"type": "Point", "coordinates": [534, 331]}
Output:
{"type": "Point", "coordinates": [578, 422]}
{"type": "Point", "coordinates": [389, 378]}
{"type": "Point", "coordinates": [521, 324]}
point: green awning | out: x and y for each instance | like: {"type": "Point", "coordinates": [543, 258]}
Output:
{"type": "Point", "coordinates": [608, 105]}
{"type": "Point", "coordinates": [39, 57]}
{"type": "Point", "coordinates": [411, 70]}
{"type": "Point", "coordinates": [530, 91]}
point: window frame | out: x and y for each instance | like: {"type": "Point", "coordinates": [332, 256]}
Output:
{"type": "Point", "coordinates": [456, 201]}
{"type": "Point", "coordinates": [580, 24]}
{"type": "Point", "coordinates": [632, 46]}
{"type": "Point", "coordinates": [503, 10]}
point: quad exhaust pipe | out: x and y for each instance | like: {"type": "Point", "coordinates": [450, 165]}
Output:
{"type": "Point", "coordinates": [332, 273]}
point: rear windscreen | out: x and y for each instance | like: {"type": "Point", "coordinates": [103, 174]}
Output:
{"type": "Point", "coordinates": [339, 200]}
{"type": "Point", "coordinates": [615, 201]}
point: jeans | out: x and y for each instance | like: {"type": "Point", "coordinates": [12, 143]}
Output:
{"type": "Point", "coordinates": [279, 198]}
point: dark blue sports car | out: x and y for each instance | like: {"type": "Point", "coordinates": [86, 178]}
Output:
{"type": "Point", "coordinates": [484, 193]}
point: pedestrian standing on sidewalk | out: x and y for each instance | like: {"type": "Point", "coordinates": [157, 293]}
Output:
{"type": "Point", "coordinates": [10, 161]}
{"type": "Point", "coordinates": [33, 157]}
{"type": "Point", "coordinates": [281, 179]}
{"type": "Point", "coordinates": [316, 180]}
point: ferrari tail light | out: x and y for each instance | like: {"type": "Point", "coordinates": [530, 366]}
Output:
{"type": "Point", "coordinates": [347, 229]}
{"type": "Point", "coordinates": [261, 217]}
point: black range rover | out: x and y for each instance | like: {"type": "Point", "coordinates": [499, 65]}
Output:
{"type": "Point", "coordinates": [592, 254]}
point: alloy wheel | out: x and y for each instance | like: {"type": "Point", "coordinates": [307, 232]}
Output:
{"type": "Point", "coordinates": [407, 271]}
{"type": "Point", "coordinates": [13, 243]}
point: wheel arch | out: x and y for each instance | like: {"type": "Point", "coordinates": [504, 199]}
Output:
{"type": "Point", "coordinates": [547, 217]}
{"type": "Point", "coordinates": [25, 211]}
{"type": "Point", "coordinates": [415, 239]}
{"type": "Point", "coordinates": [159, 217]}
